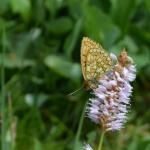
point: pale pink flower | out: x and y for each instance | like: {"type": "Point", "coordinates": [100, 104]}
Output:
{"type": "Point", "coordinates": [110, 105]}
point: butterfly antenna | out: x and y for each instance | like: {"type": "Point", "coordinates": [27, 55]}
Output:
{"type": "Point", "coordinates": [76, 90]}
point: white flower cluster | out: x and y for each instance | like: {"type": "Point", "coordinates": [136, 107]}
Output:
{"type": "Point", "coordinates": [87, 147]}
{"type": "Point", "coordinates": [112, 96]}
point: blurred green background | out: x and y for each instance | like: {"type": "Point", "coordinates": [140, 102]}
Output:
{"type": "Point", "coordinates": [41, 40]}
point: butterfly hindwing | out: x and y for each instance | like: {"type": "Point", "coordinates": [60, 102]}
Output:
{"type": "Point", "coordinates": [95, 62]}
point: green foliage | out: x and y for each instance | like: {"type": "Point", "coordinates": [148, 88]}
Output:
{"type": "Point", "coordinates": [42, 66]}
{"type": "Point", "coordinates": [22, 7]}
{"type": "Point", "coordinates": [63, 67]}
{"type": "Point", "coordinates": [63, 25]}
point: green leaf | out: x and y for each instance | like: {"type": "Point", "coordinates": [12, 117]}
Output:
{"type": "Point", "coordinates": [22, 7]}
{"type": "Point", "coordinates": [72, 38]}
{"type": "Point", "coordinates": [147, 5]}
{"type": "Point", "coordinates": [91, 136]}
{"type": "Point", "coordinates": [75, 8]}
{"type": "Point", "coordinates": [12, 60]}
{"type": "Point", "coordinates": [63, 67]}
{"type": "Point", "coordinates": [140, 33]}
{"type": "Point", "coordinates": [147, 147]}
{"type": "Point", "coordinates": [132, 145]}
{"type": "Point", "coordinates": [60, 26]}
{"type": "Point", "coordinates": [53, 6]}
{"type": "Point", "coordinates": [142, 58]}
{"type": "Point", "coordinates": [128, 43]}
{"type": "Point", "coordinates": [4, 5]}
{"type": "Point", "coordinates": [78, 146]}
{"type": "Point", "coordinates": [122, 11]}
{"type": "Point", "coordinates": [37, 145]}
{"type": "Point", "coordinates": [99, 26]}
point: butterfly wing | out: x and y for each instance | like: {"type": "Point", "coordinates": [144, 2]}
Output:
{"type": "Point", "coordinates": [95, 62]}
{"type": "Point", "coordinates": [85, 48]}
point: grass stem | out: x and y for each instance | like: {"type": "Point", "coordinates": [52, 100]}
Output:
{"type": "Point", "coordinates": [79, 128]}
{"type": "Point", "coordinates": [3, 126]}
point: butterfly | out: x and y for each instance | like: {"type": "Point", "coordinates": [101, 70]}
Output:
{"type": "Point", "coordinates": [95, 62]}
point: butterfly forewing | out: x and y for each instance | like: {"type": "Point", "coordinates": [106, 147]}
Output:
{"type": "Point", "coordinates": [95, 62]}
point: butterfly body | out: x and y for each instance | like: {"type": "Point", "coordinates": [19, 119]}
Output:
{"type": "Point", "coordinates": [95, 62]}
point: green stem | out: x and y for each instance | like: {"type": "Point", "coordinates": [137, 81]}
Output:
{"type": "Point", "coordinates": [101, 141]}
{"type": "Point", "coordinates": [3, 126]}
{"type": "Point", "coordinates": [79, 128]}
{"type": "Point", "coordinates": [10, 118]}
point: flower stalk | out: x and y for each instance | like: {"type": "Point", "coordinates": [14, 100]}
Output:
{"type": "Point", "coordinates": [101, 141]}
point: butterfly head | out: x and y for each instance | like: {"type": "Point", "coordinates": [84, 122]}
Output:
{"type": "Point", "coordinates": [91, 84]}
